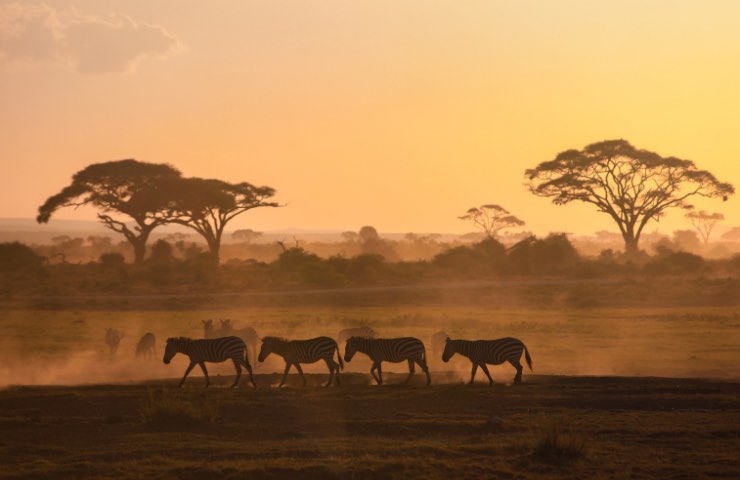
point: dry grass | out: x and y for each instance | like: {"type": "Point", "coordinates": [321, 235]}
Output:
{"type": "Point", "coordinates": [633, 428]}
{"type": "Point", "coordinates": [170, 407]}
{"type": "Point", "coordinates": [554, 446]}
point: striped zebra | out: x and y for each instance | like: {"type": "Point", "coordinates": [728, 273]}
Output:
{"type": "Point", "coordinates": [390, 350]}
{"type": "Point", "coordinates": [248, 334]}
{"type": "Point", "coordinates": [495, 352]}
{"type": "Point", "coordinates": [214, 350]}
{"type": "Point", "coordinates": [343, 335]}
{"type": "Point", "coordinates": [295, 352]}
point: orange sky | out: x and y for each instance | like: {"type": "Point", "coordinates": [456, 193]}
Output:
{"type": "Point", "coordinates": [397, 114]}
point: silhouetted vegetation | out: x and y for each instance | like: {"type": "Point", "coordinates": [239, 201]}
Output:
{"type": "Point", "coordinates": [631, 185]}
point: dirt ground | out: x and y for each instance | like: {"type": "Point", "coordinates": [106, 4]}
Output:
{"type": "Point", "coordinates": [548, 427]}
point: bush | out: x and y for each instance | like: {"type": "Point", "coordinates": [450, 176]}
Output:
{"type": "Point", "coordinates": [675, 263]}
{"type": "Point", "coordinates": [16, 256]}
{"type": "Point", "coordinates": [112, 259]}
{"type": "Point", "coordinates": [554, 447]}
{"type": "Point", "coordinates": [171, 407]}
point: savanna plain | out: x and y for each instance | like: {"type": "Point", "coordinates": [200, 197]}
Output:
{"type": "Point", "coordinates": [616, 392]}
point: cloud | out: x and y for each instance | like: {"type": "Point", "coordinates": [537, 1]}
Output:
{"type": "Point", "coordinates": [37, 35]}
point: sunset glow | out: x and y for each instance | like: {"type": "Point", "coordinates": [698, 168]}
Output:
{"type": "Point", "coordinates": [400, 115]}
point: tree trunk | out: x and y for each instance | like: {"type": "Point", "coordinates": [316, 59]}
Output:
{"type": "Point", "coordinates": [139, 244]}
{"type": "Point", "coordinates": [139, 251]}
{"type": "Point", "coordinates": [631, 248]}
{"type": "Point", "coordinates": [214, 246]}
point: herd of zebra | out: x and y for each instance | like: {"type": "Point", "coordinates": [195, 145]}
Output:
{"type": "Point", "coordinates": [228, 343]}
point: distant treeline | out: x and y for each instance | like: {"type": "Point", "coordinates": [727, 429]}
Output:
{"type": "Point", "coordinates": [183, 267]}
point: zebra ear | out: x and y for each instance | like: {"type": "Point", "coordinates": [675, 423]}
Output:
{"type": "Point", "coordinates": [447, 339]}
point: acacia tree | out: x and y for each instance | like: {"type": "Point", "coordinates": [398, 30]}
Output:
{"type": "Point", "coordinates": [491, 219]}
{"type": "Point", "coordinates": [208, 205]}
{"type": "Point", "coordinates": [631, 185]}
{"type": "Point", "coordinates": [704, 222]}
{"type": "Point", "coordinates": [122, 187]}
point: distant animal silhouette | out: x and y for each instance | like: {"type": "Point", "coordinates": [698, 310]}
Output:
{"type": "Point", "coordinates": [389, 350]}
{"type": "Point", "coordinates": [112, 339]}
{"type": "Point", "coordinates": [209, 331]}
{"type": "Point", "coordinates": [214, 350]}
{"type": "Point", "coordinates": [146, 346]}
{"type": "Point", "coordinates": [495, 352]}
{"type": "Point", "coordinates": [295, 352]}
{"type": "Point", "coordinates": [248, 334]}
{"type": "Point", "coordinates": [343, 335]}
{"type": "Point", "coordinates": [438, 343]}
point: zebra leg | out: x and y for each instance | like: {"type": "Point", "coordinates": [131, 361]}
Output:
{"type": "Point", "coordinates": [249, 370]}
{"type": "Point", "coordinates": [518, 377]}
{"type": "Point", "coordinates": [237, 365]}
{"type": "Point", "coordinates": [488, 374]}
{"type": "Point", "coordinates": [372, 372]}
{"type": "Point", "coordinates": [380, 373]}
{"type": "Point", "coordinates": [412, 370]}
{"type": "Point", "coordinates": [205, 372]}
{"type": "Point", "coordinates": [332, 365]}
{"type": "Point", "coordinates": [472, 373]}
{"type": "Point", "coordinates": [285, 374]}
{"type": "Point", "coordinates": [423, 364]}
{"type": "Point", "coordinates": [300, 370]}
{"type": "Point", "coordinates": [187, 371]}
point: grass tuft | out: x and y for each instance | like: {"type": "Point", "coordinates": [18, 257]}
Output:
{"type": "Point", "coordinates": [170, 407]}
{"type": "Point", "coordinates": [555, 447]}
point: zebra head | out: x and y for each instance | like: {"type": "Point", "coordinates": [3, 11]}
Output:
{"type": "Point", "coordinates": [226, 326]}
{"type": "Point", "coordinates": [350, 349]}
{"type": "Point", "coordinates": [268, 347]}
{"type": "Point", "coordinates": [449, 350]}
{"type": "Point", "coordinates": [170, 350]}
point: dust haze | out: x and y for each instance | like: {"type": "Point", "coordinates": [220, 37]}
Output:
{"type": "Point", "coordinates": [68, 347]}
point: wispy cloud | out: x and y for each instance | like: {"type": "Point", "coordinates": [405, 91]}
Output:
{"type": "Point", "coordinates": [38, 35]}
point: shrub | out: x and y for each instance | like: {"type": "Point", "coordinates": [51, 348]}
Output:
{"type": "Point", "coordinates": [554, 447]}
{"type": "Point", "coordinates": [113, 259]}
{"type": "Point", "coordinates": [16, 256]}
{"type": "Point", "coordinates": [675, 263]}
{"type": "Point", "coordinates": [171, 407]}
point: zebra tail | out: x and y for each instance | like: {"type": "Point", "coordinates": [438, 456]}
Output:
{"type": "Point", "coordinates": [527, 357]}
{"type": "Point", "coordinates": [339, 357]}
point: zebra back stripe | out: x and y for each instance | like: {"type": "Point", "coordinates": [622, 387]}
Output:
{"type": "Point", "coordinates": [389, 349]}
{"type": "Point", "coordinates": [211, 349]}
{"type": "Point", "coordinates": [493, 352]}
{"type": "Point", "coordinates": [304, 351]}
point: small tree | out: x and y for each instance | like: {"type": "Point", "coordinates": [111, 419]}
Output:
{"type": "Point", "coordinates": [491, 219]}
{"type": "Point", "coordinates": [632, 186]}
{"type": "Point", "coordinates": [124, 187]}
{"type": "Point", "coordinates": [246, 235]}
{"type": "Point", "coordinates": [208, 205]}
{"type": "Point", "coordinates": [704, 222]}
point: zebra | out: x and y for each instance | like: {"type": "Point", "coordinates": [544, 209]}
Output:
{"type": "Point", "coordinates": [295, 352]}
{"type": "Point", "coordinates": [438, 342]}
{"type": "Point", "coordinates": [391, 350]}
{"type": "Point", "coordinates": [343, 335]}
{"type": "Point", "coordinates": [212, 350]}
{"type": "Point", "coordinates": [146, 346]}
{"type": "Point", "coordinates": [495, 352]}
{"type": "Point", "coordinates": [112, 339]}
{"type": "Point", "coordinates": [248, 334]}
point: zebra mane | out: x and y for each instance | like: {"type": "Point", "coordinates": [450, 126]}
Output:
{"type": "Point", "coordinates": [179, 339]}
{"type": "Point", "coordinates": [275, 339]}
{"type": "Point", "coordinates": [361, 337]}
